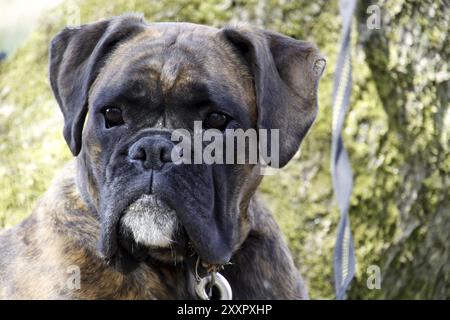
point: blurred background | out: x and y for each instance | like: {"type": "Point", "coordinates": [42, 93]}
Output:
{"type": "Point", "coordinates": [397, 131]}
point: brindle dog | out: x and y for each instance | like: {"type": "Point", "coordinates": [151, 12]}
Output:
{"type": "Point", "coordinates": [132, 222]}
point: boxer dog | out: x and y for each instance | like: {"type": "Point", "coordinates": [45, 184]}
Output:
{"type": "Point", "coordinates": [123, 221]}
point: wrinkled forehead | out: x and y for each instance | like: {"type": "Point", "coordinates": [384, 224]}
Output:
{"type": "Point", "coordinates": [169, 60]}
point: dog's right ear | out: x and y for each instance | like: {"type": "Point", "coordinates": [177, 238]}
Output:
{"type": "Point", "coordinates": [76, 57]}
{"type": "Point", "coordinates": [286, 75]}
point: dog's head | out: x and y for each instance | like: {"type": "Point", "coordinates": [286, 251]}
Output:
{"type": "Point", "coordinates": [124, 86]}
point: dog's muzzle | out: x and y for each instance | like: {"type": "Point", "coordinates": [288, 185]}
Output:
{"type": "Point", "coordinates": [150, 222]}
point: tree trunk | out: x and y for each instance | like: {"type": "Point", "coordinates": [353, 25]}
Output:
{"type": "Point", "coordinates": [408, 58]}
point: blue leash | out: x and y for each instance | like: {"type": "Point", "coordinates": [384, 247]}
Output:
{"type": "Point", "coordinates": [344, 256]}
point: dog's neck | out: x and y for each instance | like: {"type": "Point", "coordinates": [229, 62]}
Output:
{"type": "Point", "coordinates": [84, 180]}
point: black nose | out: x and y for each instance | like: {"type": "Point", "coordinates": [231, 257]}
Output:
{"type": "Point", "coordinates": [151, 152]}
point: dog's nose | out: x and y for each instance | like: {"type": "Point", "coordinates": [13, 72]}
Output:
{"type": "Point", "coordinates": [152, 152]}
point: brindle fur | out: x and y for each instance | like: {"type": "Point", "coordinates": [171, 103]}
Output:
{"type": "Point", "coordinates": [37, 256]}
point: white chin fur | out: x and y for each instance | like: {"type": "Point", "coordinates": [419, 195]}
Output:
{"type": "Point", "coordinates": [150, 221]}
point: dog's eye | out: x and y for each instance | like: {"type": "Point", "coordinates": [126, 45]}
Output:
{"type": "Point", "coordinates": [216, 120]}
{"type": "Point", "coordinates": [113, 117]}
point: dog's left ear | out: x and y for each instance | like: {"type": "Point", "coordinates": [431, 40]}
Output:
{"type": "Point", "coordinates": [76, 57]}
{"type": "Point", "coordinates": [286, 74]}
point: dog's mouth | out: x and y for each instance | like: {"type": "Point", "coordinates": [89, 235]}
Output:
{"type": "Point", "coordinates": [174, 218]}
{"type": "Point", "coordinates": [150, 221]}
{"type": "Point", "coordinates": [150, 228]}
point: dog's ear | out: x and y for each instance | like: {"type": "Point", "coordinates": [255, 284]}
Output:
{"type": "Point", "coordinates": [286, 73]}
{"type": "Point", "coordinates": [76, 56]}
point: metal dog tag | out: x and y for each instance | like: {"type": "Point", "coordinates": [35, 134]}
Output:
{"type": "Point", "coordinates": [217, 280]}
